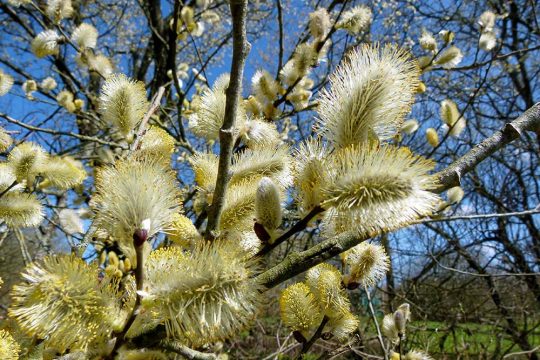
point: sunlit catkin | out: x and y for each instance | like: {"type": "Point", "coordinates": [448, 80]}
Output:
{"type": "Point", "coordinates": [449, 58]}
{"type": "Point", "coordinates": [9, 348]}
{"type": "Point", "coordinates": [369, 94]}
{"type": "Point", "coordinates": [203, 296]}
{"type": "Point", "coordinates": [48, 84]}
{"type": "Point", "coordinates": [299, 309]}
{"type": "Point", "coordinates": [85, 36]}
{"type": "Point", "coordinates": [5, 140]}
{"type": "Point", "coordinates": [182, 231]}
{"type": "Point", "coordinates": [133, 191]}
{"type": "Point", "coordinates": [268, 204]}
{"type": "Point", "coordinates": [366, 264]}
{"type": "Point", "coordinates": [309, 167]}
{"type": "Point", "coordinates": [319, 23]}
{"type": "Point", "coordinates": [45, 43]}
{"type": "Point", "coordinates": [63, 302]}
{"type": "Point", "coordinates": [455, 195]}
{"type": "Point", "coordinates": [27, 160]}
{"type": "Point", "coordinates": [63, 173]}
{"type": "Point", "coordinates": [123, 102]}
{"type": "Point", "coordinates": [432, 137]}
{"type": "Point", "coordinates": [427, 41]}
{"type": "Point", "coordinates": [6, 82]}
{"type": "Point", "coordinates": [409, 126]}
{"type": "Point", "coordinates": [156, 143]}
{"type": "Point", "coordinates": [59, 9]}
{"type": "Point", "coordinates": [385, 186]}
{"type": "Point", "coordinates": [356, 20]}
{"type": "Point", "coordinates": [343, 325]}
{"type": "Point", "coordinates": [324, 281]}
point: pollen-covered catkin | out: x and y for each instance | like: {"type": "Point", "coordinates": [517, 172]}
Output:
{"type": "Point", "coordinates": [123, 103]}
{"type": "Point", "coordinates": [268, 204]}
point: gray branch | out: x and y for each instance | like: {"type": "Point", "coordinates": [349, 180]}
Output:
{"type": "Point", "coordinates": [233, 93]}
{"type": "Point", "coordinates": [528, 121]}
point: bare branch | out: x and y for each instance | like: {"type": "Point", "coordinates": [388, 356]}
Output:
{"type": "Point", "coordinates": [233, 93]}
{"type": "Point", "coordinates": [451, 176]}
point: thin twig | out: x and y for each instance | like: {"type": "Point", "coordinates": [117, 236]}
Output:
{"type": "Point", "coordinates": [479, 216]}
{"type": "Point", "coordinates": [299, 226]}
{"type": "Point", "coordinates": [379, 334]}
{"type": "Point", "coordinates": [61, 133]}
{"type": "Point", "coordinates": [183, 350]}
{"type": "Point", "coordinates": [156, 100]}
{"type": "Point", "coordinates": [308, 344]}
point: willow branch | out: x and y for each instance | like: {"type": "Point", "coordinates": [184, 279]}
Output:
{"type": "Point", "coordinates": [233, 93]}
{"type": "Point", "coordinates": [297, 263]}
{"type": "Point", "coordinates": [451, 176]}
{"type": "Point", "coordinates": [61, 133]}
{"type": "Point", "coordinates": [480, 216]}
{"type": "Point", "coordinates": [186, 352]}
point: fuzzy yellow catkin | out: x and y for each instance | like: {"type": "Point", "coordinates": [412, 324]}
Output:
{"type": "Point", "coordinates": [9, 348]}
{"type": "Point", "coordinates": [487, 21]}
{"type": "Point", "coordinates": [367, 264]}
{"type": "Point", "coordinates": [59, 9]}
{"type": "Point", "coordinates": [455, 195]}
{"type": "Point", "coordinates": [432, 137]}
{"type": "Point", "coordinates": [319, 23]}
{"type": "Point", "coordinates": [389, 328]}
{"type": "Point", "coordinates": [409, 126]}
{"type": "Point", "coordinates": [299, 309]}
{"type": "Point", "coordinates": [123, 102]}
{"type": "Point", "coordinates": [6, 82]}
{"type": "Point", "coordinates": [427, 41]}
{"type": "Point", "coordinates": [62, 173]}
{"type": "Point", "coordinates": [5, 140]}
{"type": "Point", "coordinates": [29, 86]}
{"type": "Point", "coordinates": [449, 112]}
{"type": "Point", "coordinates": [157, 143]}
{"type": "Point", "coordinates": [27, 160]}
{"type": "Point", "coordinates": [205, 295]}
{"type": "Point", "coordinates": [48, 84]}
{"type": "Point", "coordinates": [17, 209]}
{"type": "Point", "coordinates": [45, 43]}
{"type": "Point", "coordinates": [268, 204]}
{"type": "Point", "coordinates": [370, 93]}
{"type": "Point", "coordinates": [85, 35]}
{"type": "Point", "coordinates": [132, 191]}
{"type": "Point", "coordinates": [183, 232]}
{"type": "Point", "coordinates": [264, 86]}
{"type": "Point", "coordinates": [449, 58]}
{"type": "Point", "coordinates": [63, 301]}
{"type": "Point", "coordinates": [342, 326]}
{"type": "Point", "coordinates": [487, 41]}
{"type": "Point", "coordinates": [100, 64]}
{"type": "Point", "coordinates": [356, 20]}
{"type": "Point", "coordinates": [258, 133]}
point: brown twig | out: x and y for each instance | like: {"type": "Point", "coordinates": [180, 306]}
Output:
{"type": "Point", "coordinates": [156, 100]}
{"type": "Point", "coordinates": [299, 226]}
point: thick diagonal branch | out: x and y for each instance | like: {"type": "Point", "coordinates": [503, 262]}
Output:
{"type": "Point", "coordinates": [233, 94]}
{"type": "Point", "coordinates": [296, 263]}
{"type": "Point", "coordinates": [528, 121]}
